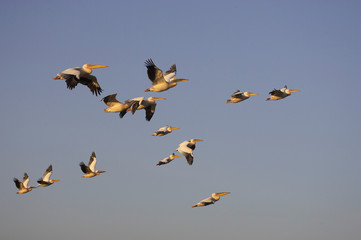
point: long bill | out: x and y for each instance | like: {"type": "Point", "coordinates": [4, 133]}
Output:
{"type": "Point", "coordinates": [92, 66]}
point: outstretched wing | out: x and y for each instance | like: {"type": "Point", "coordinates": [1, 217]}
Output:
{"type": "Point", "coordinates": [92, 83]}
{"type": "Point", "coordinates": [92, 162]}
{"type": "Point", "coordinates": [25, 180]}
{"type": "Point", "coordinates": [110, 100]}
{"type": "Point", "coordinates": [237, 94]}
{"type": "Point", "coordinates": [149, 111]}
{"type": "Point", "coordinates": [47, 174]}
{"type": "Point", "coordinates": [170, 73]}
{"type": "Point", "coordinates": [154, 73]}
{"type": "Point", "coordinates": [84, 168]}
{"type": "Point", "coordinates": [17, 183]}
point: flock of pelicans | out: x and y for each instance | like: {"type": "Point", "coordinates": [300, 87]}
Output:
{"type": "Point", "coordinates": [160, 82]}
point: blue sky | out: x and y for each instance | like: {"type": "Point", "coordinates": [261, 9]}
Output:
{"type": "Point", "coordinates": [292, 166]}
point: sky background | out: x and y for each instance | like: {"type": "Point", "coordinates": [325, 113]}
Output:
{"type": "Point", "coordinates": [293, 166]}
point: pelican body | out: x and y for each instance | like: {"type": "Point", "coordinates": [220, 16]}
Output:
{"type": "Point", "coordinates": [161, 82]}
{"type": "Point", "coordinates": [239, 96]}
{"type": "Point", "coordinates": [211, 200]}
{"type": "Point", "coordinates": [23, 186]}
{"type": "Point", "coordinates": [73, 76]}
{"type": "Point", "coordinates": [148, 105]}
{"type": "Point", "coordinates": [115, 106]}
{"type": "Point", "coordinates": [186, 148]}
{"type": "Point", "coordinates": [45, 180]}
{"type": "Point", "coordinates": [167, 159]}
{"type": "Point", "coordinates": [278, 94]}
{"type": "Point", "coordinates": [164, 131]}
{"type": "Point", "coordinates": [90, 169]}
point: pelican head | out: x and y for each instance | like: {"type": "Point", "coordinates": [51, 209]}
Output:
{"type": "Point", "coordinates": [248, 94]}
{"type": "Point", "coordinates": [170, 129]}
{"type": "Point", "coordinates": [97, 172]}
{"type": "Point", "coordinates": [153, 99]}
{"type": "Point", "coordinates": [195, 140]}
{"type": "Point", "coordinates": [221, 193]}
{"type": "Point", "coordinates": [172, 156]}
{"type": "Point", "coordinates": [289, 91]}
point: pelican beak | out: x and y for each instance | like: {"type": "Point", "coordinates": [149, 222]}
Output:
{"type": "Point", "coordinates": [159, 98]}
{"type": "Point", "coordinates": [253, 93]}
{"type": "Point", "coordinates": [198, 140]}
{"type": "Point", "coordinates": [223, 193]}
{"type": "Point", "coordinates": [180, 80]}
{"type": "Point", "coordinates": [293, 90]}
{"type": "Point", "coordinates": [176, 156]}
{"type": "Point", "coordinates": [56, 180]}
{"type": "Point", "coordinates": [174, 128]}
{"type": "Point", "coordinates": [92, 66]}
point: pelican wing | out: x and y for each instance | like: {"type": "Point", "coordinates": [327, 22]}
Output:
{"type": "Point", "coordinates": [47, 174]}
{"type": "Point", "coordinates": [154, 73]}
{"type": "Point", "coordinates": [25, 180]}
{"type": "Point", "coordinates": [110, 100]}
{"type": "Point", "coordinates": [208, 201]}
{"type": "Point", "coordinates": [170, 73]}
{"type": "Point", "coordinates": [17, 183]}
{"type": "Point", "coordinates": [277, 93]}
{"type": "Point", "coordinates": [84, 168]}
{"type": "Point", "coordinates": [149, 111]}
{"type": "Point", "coordinates": [191, 146]}
{"type": "Point", "coordinates": [135, 103]}
{"type": "Point", "coordinates": [92, 83]}
{"type": "Point", "coordinates": [237, 94]}
{"type": "Point", "coordinates": [92, 162]}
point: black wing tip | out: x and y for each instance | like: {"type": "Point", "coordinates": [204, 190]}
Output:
{"type": "Point", "coordinates": [82, 164]}
{"type": "Point", "coordinates": [15, 180]}
{"type": "Point", "coordinates": [149, 63]}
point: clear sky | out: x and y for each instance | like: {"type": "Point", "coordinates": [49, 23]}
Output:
{"type": "Point", "coordinates": [293, 167]}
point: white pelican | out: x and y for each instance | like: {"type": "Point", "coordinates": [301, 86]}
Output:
{"type": "Point", "coordinates": [148, 105]}
{"type": "Point", "coordinates": [167, 159]}
{"type": "Point", "coordinates": [116, 106]}
{"type": "Point", "coordinates": [45, 180]}
{"type": "Point", "coordinates": [186, 149]}
{"type": "Point", "coordinates": [23, 186]}
{"type": "Point", "coordinates": [278, 94]}
{"type": "Point", "coordinates": [160, 81]}
{"type": "Point", "coordinates": [90, 169]}
{"type": "Point", "coordinates": [73, 76]}
{"type": "Point", "coordinates": [164, 131]}
{"type": "Point", "coordinates": [211, 200]}
{"type": "Point", "coordinates": [239, 96]}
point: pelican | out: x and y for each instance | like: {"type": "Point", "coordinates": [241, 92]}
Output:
{"type": "Point", "coordinates": [116, 106]}
{"type": "Point", "coordinates": [148, 105]}
{"type": "Point", "coordinates": [45, 180]}
{"type": "Point", "coordinates": [164, 131]}
{"type": "Point", "coordinates": [239, 96]}
{"type": "Point", "coordinates": [23, 186]}
{"type": "Point", "coordinates": [167, 159]}
{"type": "Point", "coordinates": [90, 169]}
{"type": "Point", "coordinates": [73, 76]}
{"type": "Point", "coordinates": [278, 94]}
{"type": "Point", "coordinates": [211, 200]}
{"type": "Point", "coordinates": [160, 81]}
{"type": "Point", "coordinates": [186, 149]}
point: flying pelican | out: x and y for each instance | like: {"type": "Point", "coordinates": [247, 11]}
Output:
{"type": "Point", "coordinates": [160, 81]}
{"type": "Point", "coordinates": [186, 149]}
{"type": "Point", "coordinates": [278, 94]}
{"type": "Point", "coordinates": [239, 96]}
{"type": "Point", "coordinates": [148, 105]}
{"type": "Point", "coordinates": [23, 186]}
{"type": "Point", "coordinates": [90, 169]}
{"type": "Point", "coordinates": [116, 106]}
{"type": "Point", "coordinates": [73, 76]}
{"type": "Point", "coordinates": [45, 180]}
{"type": "Point", "coordinates": [211, 200]}
{"type": "Point", "coordinates": [167, 159]}
{"type": "Point", "coordinates": [164, 131]}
